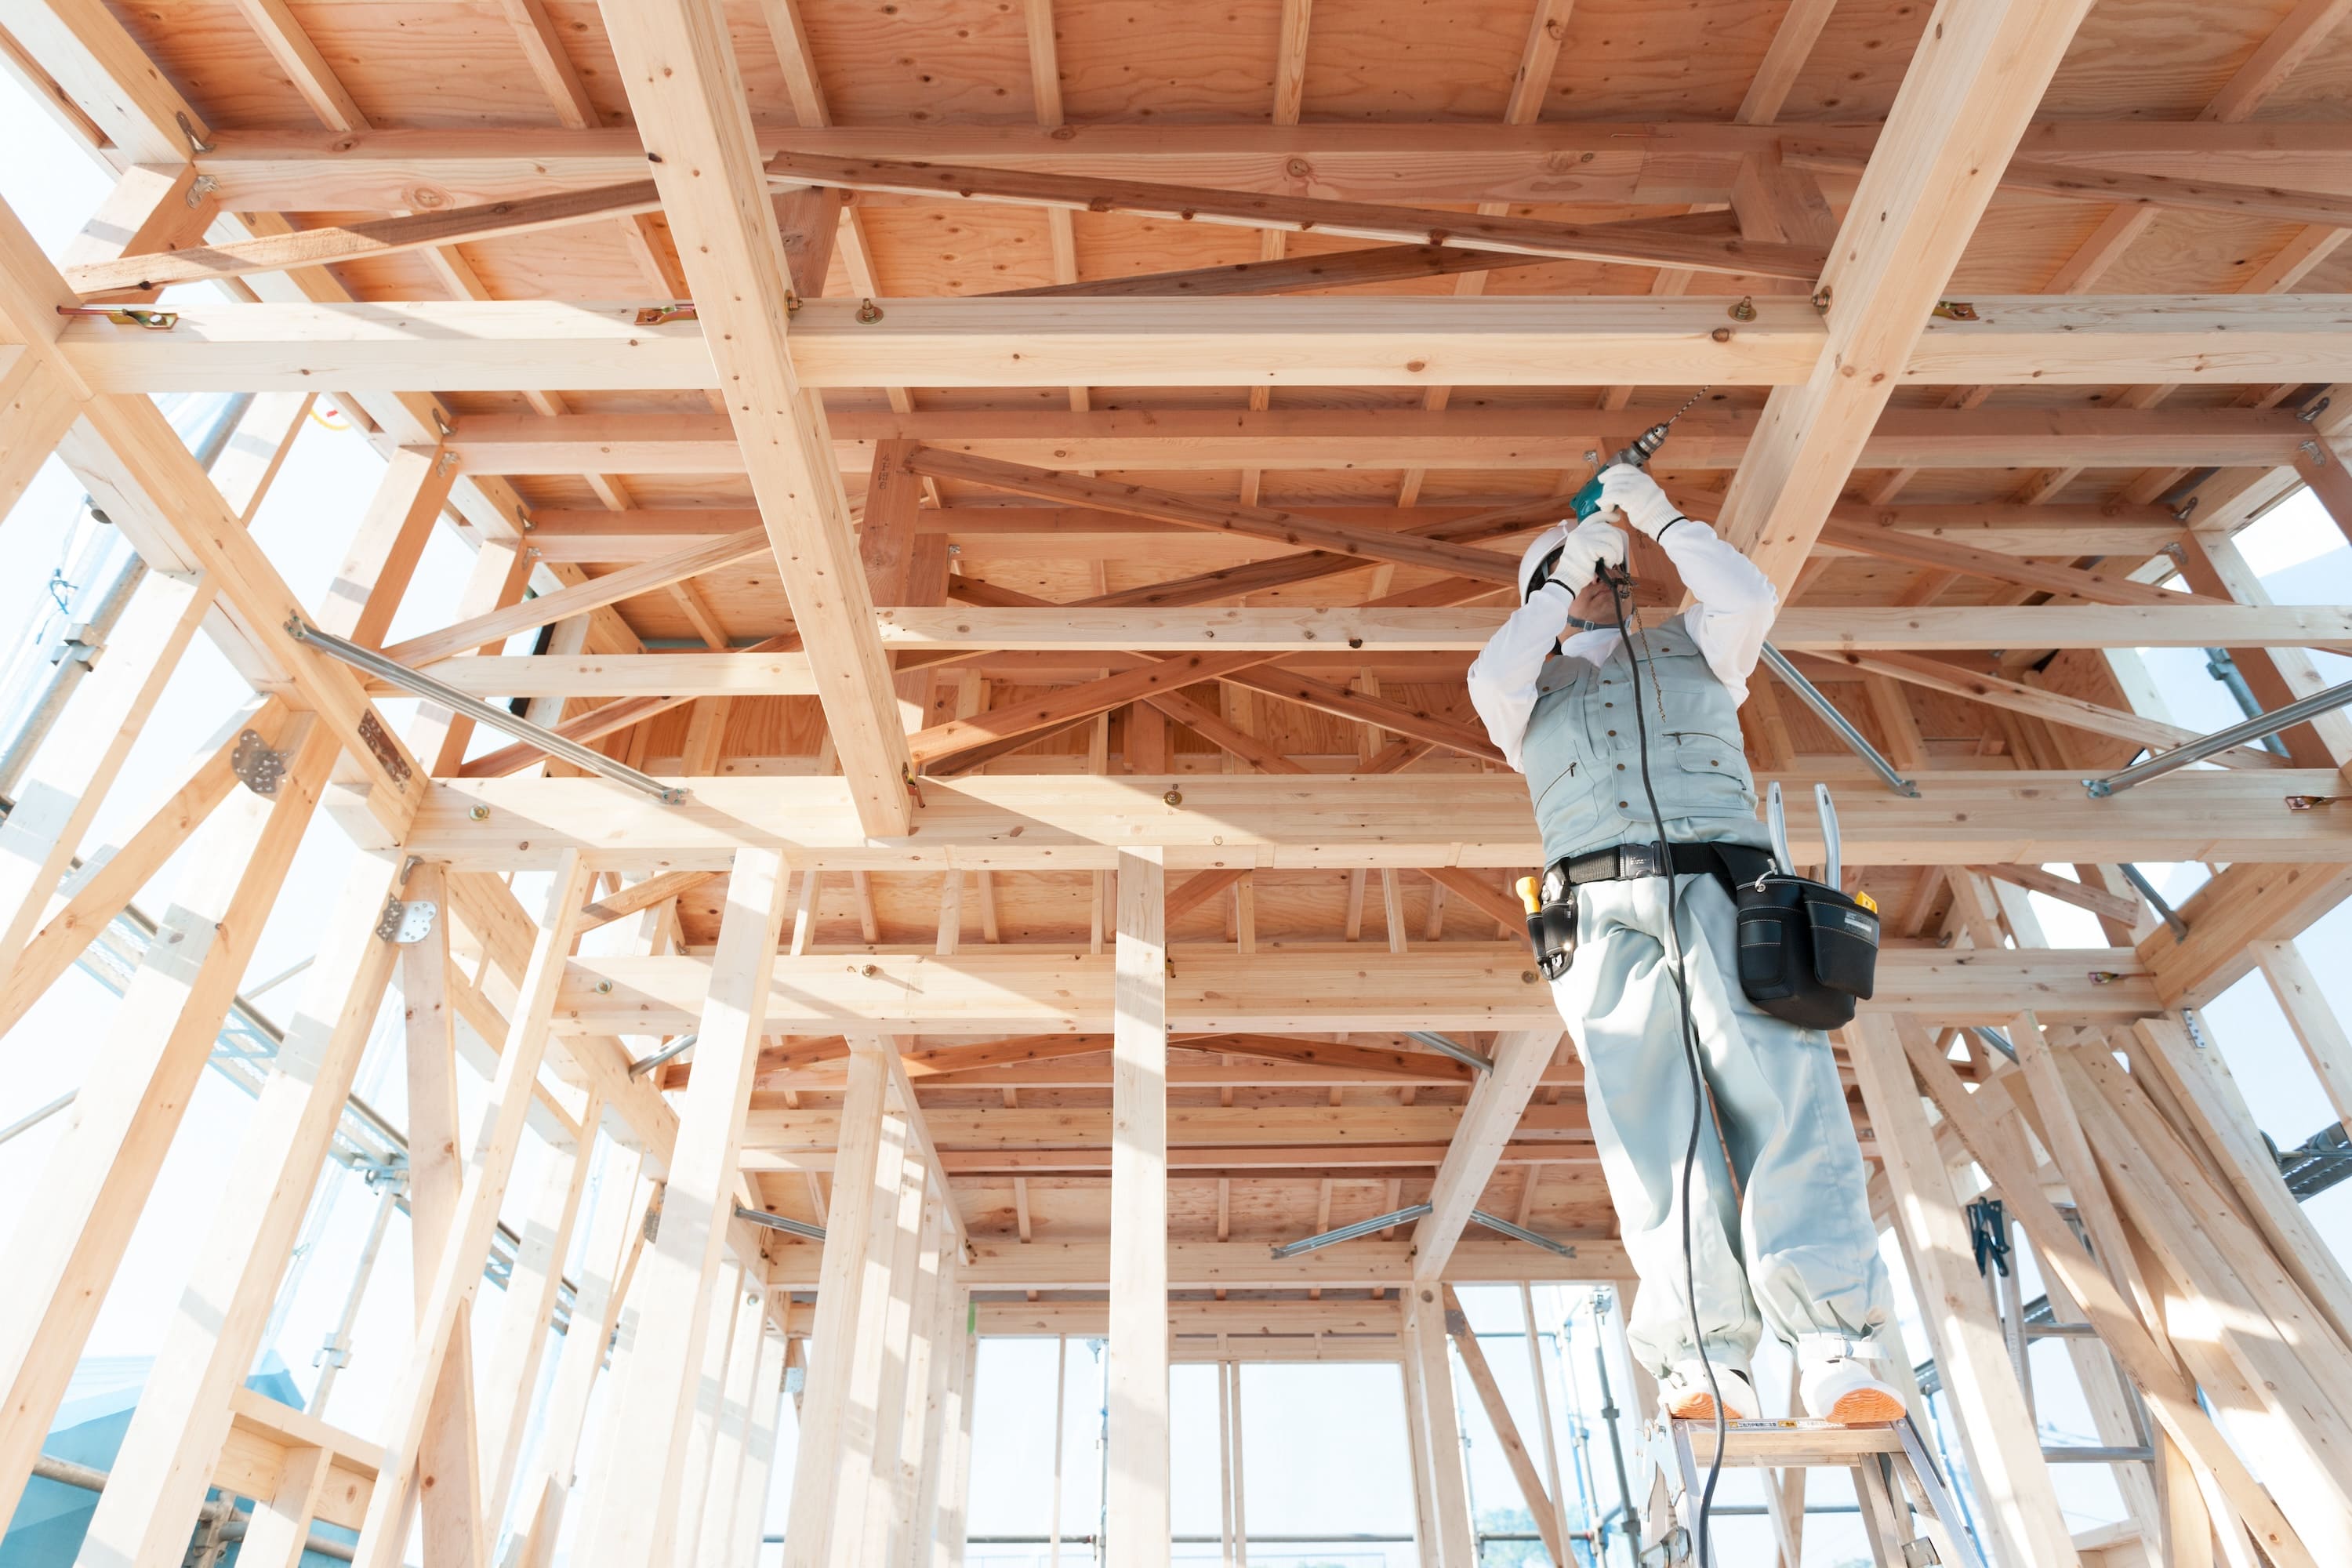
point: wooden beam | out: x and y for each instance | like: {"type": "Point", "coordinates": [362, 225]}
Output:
{"type": "Point", "coordinates": [2098, 900]}
{"type": "Point", "coordinates": [2100, 587]}
{"type": "Point", "coordinates": [530, 613]}
{"type": "Point", "coordinates": [1437, 161]}
{"type": "Point", "coordinates": [1498, 1100]}
{"type": "Point", "coordinates": [1505, 439]}
{"type": "Point", "coordinates": [1405, 226]}
{"type": "Point", "coordinates": [2012, 1479]}
{"type": "Point", "coordinates": [1300, 274]}
{"type": "Point", "coordinates": [684, 85]}
{"type": "Point", "coordinates": [1446, 985]}
{"type": "Point", "coordinates": [2239, 907]}
{"type": "Point", "coordinates": [362, 241]}
{"type": "Point", "coordinates": [2129, 189]}
{"type": "Point", "coordinates": [1136, 1384]}
{"type": "Point", "coordinates": [1294, 529]}
{"type": "Point", "coordinates": [1966, 99]}
{"type": "Point", "coordinates": [1381, 340]}
{"type": "Point", "coordinates": [1076, 822]}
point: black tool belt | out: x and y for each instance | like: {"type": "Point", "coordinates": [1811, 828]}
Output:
{"type": "Point", "coordinates": [1808, 954]}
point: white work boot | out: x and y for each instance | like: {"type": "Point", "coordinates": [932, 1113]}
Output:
{"type": "Point", "coordinates": [1841, 1389]}
{"type": "Point", "coordinates": [1685, 1397]}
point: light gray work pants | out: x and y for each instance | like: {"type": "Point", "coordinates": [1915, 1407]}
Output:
{"type": "Point", "coordinates": [1793, 1240]}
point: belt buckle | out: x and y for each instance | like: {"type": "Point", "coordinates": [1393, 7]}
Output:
{"type": "Point", "coordinates": [1637, 860]}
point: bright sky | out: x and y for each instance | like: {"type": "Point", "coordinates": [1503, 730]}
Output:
{"type": "Point", "coordinates": [1323, 1444]}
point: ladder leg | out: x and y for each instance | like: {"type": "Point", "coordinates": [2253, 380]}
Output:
{"type": "Point", "coordinates": [1953, 1542]}
{"type": "Point", "coordinates": [1686, 1512]}
{"type": "Point", "coordinates": [1879, 1516]}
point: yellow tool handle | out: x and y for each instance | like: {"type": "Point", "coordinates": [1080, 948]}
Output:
{"type": "Point", "coordinates": [1529, 895]}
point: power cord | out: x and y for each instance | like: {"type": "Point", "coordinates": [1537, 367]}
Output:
{"type": "Point", "coordinates": [1620, 592]}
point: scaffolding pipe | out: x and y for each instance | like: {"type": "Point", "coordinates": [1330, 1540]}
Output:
{"type": "Point", "coordinates": [1825, 710]}
{"type": "Point", "coordinates": [1350, 1232]}
{"type": "Point", "coordinates": [1448, 1047]}
{"type": "Point", "coordinates": [2259, 727]}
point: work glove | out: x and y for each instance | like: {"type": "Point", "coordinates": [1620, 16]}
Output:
{"type": "Point", "coordinates": [1637, 495]}
{"type": "Point", "coordinates": [1591, 543]}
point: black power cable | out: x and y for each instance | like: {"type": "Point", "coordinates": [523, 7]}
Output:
{"type": "Point", "coordinates": [1621, 593]}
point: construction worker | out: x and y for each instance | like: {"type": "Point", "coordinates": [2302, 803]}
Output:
{"type": "Point", "coordinates": [1792, 1244]}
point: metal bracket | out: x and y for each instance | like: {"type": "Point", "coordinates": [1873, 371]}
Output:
{"type": "Point", "coordinates": [1954, 310]}
{"type": "Point", "coordinates": [127, 315]}
{"type": "Point", "coordinates": [407, 923]}
{"type": "Point", "coordinates": [387, 755]}
{"type": "Point", "coordinates": [195, 143]}
{"type": "Point", "coordinates": [199, 188]}
{"type": "Point", "coordinates": [256, 767]}
{"type": "Point", "coordinates": [2317, 453]}
{"type": "Point", "coordinates": [2310, 412]}
{"type": "Point", "coordinates": [77, 646]}
{"type": "Point", "coordinates": [333, 1354]}
{"type": "Point", "coordinates": [1918, 1552]}
{"type": "Point", "coordinates": [663, 315]}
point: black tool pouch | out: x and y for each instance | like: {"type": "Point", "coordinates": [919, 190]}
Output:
{"type": "Point", "coordinates": [1808, 954]}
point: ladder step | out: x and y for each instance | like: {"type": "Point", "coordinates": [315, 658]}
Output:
{"type": "Point", "coordinates": [1779, 1445]}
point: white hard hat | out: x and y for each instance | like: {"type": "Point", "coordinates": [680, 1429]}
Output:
{"type": "Point", "coordinates": [1535, 566]}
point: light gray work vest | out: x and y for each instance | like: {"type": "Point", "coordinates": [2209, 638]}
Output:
{"type": "Point", "coordinates": [1584, 765]}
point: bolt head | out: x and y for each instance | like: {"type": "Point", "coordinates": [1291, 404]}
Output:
{"type": "Point", "coordinates": [1174, 796]}
{"type": "Point", "coordinates": [480, 813]}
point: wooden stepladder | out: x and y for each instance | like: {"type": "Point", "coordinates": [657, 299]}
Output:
{"type": "Point", "coordinates": [1907, 1512]}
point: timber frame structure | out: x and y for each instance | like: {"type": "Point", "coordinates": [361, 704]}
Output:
{"type": "Point", "coordinates": [1034, 481]}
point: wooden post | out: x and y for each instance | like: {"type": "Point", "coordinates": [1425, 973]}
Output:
{"type": "Point", "coordinates": [902, 1320]}
{"type": "Point", "coordinates": [167, 1455]}
{"type": "Point", "coordinates": [706, 1419]}
{"type": "Point", "coordinates": [449, 1463]}
{"type": "Point", "coordinates": [528, 1317]}
{"type": "Point", "coordinates": [858, 1170]}
{"type": "Point", "coordinates": [749, 1520]}
{"type": "Point", "coordinates": [955, 1485]}
{"type": "Point", "coordinates": [636, 1522]}
{"type": "Point", "coordinates": [614, 1234]}
{"type": "Point", "coordinates": [1507, 1431]}
{"type": "Point", "coordinates": [137, 1088]}
{"type": "Point", "coordinates": [1136, 1518]}
{"type": "Point", "coordinates": [2323, 1037]}
{"type": "Point", "coordinates": [747, 1352]}
{"type": "Point", "coordinates": [1430, 1376]}
{"type": "Point", "coordinates": [1416, 1437]}
{"type": "Point", "coordinates": [459, 1273]}
{"type": "Point", "coordinates": [2020, 1512]}
{"type": "Point", "coordinates": [899, 1180]}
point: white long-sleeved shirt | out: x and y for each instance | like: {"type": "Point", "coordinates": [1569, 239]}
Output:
{"type": "Point", "coordinates": [1733, 606]}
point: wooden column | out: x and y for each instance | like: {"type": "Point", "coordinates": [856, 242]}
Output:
{"type": "Point", "coordinates": [1429, 1373]}
{"type": "Point", "coordinates": [449, 1464]}
{"type": "Point", "coordinates": [747, 1351]}
{"type": "Point", "coordinates": [861, 1167]}
{"type": "Point", "coordinates": [168, 1453]}
{"type": "Point", "coordinates": [706, 1420]}
{"type": "Point", "coordinates": [2314, 1023]}
{"type": "Point", "coordinates": [1136, 1503]}
{"type": "Point", "coordinates": [2021, 1514]}
{"type": "Point", "coordinates": [897, 1197]}
{"type": "Point", "coordinates": [748, 1521]}
{"type": "Point", "coordinates": [615, 1232]}
{"type": "Point", "coordinates": [459, 1273]}
{"type": "Point", "coordinates": [636, 1518]}
{"type": "Point", "coordinates": [526, 1318]}
{"type": "Point", "coordinates": [140, 1077]}
{"type": "Point", "coordinates": [1416, 1437]}
{"type": "Point", "coordinates": [902, 1311]}
{"type": "Point", "coordinates": [954, 1511]}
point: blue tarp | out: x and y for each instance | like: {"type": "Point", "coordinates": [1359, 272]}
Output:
{"type": "Point", "coordinates": [52, 1518]}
